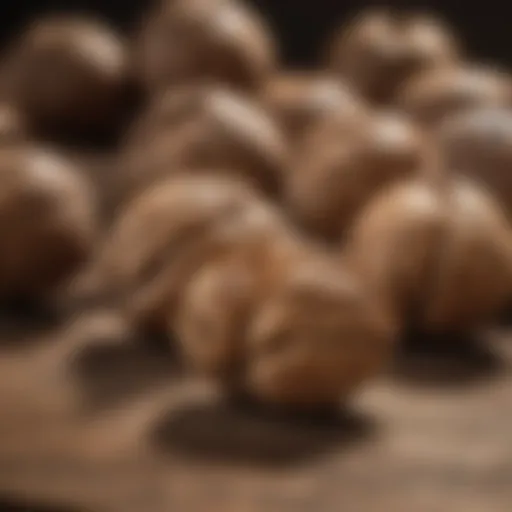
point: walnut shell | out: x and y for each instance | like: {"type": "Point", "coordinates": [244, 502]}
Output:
{"type": "Point", "coordinates": [201, 127]}
{"type": "Point", "coordinates": [208, 259]}
{"type": "Point", "coordinates": [166, 234]}
{"type": "Point", "coordinates": [341, 166]}
{"type": "Point", "coordinates": [306, 339]}
{"type": "Point", "coordinates": [191, 41]}
{"type": "Point", "coordinates": [438, 94]}
{"type": "Point", "coordinates": [47, 221]}
{"type": "Point", "coordinates": [438, 254]}
{"type": "Point", "coordinates": [380, 49]}
{"type": "Point", "coordinates": [67, 72]}
{"type": "Point", "coordinates": [478, 143]}
{"type": "Point", "coordinates": [300, 100]}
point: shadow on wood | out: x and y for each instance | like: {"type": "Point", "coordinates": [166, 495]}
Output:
{"type": "Point", "coordinates": [226, 433]}
{"type": "Point", "coordinates": [446, 360]}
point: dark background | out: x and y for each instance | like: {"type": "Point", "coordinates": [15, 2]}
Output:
{"type": "Point", "coordinates": [301, 24]}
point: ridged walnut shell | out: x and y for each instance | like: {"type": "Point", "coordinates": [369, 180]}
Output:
{"type": "Point", "coordinates": [191, 41]}
{"type": "Point", "coordinates": [165, 235]}
{"type": "Point", "coordinates": [439, 254]}
{"type": "Point", "coordinates": [67, 72]}
{"type": "Point", "coordinates": [478, 143]}
{"type": "Point", "coordinates": [433, 96]}
{"type": "Point", "coordinates": [379, 49]}
{"type": "Point", "coordinates": [204, 126]}
{"type": "Point", "coordinates": [300, 100]}
{"type": "Point", "coordinates": [308, 338]}
{"type": "Point", "coordinates": [47, 222]}
{"type": "Point", "coordinates": [341, 166]}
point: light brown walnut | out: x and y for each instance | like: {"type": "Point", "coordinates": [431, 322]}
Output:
{"type": "Point", "coordinates": [190, 41]}
{"type": "Point", "coordinates": [437, 253]}
{"type": "Point", "coordinates": [342, 165]}
{"type": "Point", "coordinates": [478, 143]}
{"type": "Point", "coordinates": [380, 49]}
{"type": "Point", "coordinates": [203, 126]}
{"type": "Point", "coordinates": [438, 94]}
{"type": "Point", "coordinates": [251, 303]}
{"type": "Point", "coordinates": [300, 100]}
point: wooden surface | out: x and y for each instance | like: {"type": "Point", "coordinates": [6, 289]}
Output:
{"type": "Point", "coordinates": [110, 426]}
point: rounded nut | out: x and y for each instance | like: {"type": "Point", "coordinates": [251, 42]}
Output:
{"type": "Point", "coordinates": [439, 254]}
{"type": "Point", "coordinates": [190, 41]}
{"type": "Point", "coordinates": [198, 127]}
{"type": "Point", "coordinates": [380, 49]}
{"type": "Point", "coordinates": [165, 235]}
{"type": "Point", "coordinates": [67, 72]}
{"type": "Point", "coordinates": [436, 95]}
{"type": "Point", "coordinates": [341, 166]}
{"type": "Point", "coordinates": [301, 100]}
{"type": "Point", "coordinates": [309, 339]}
{"type": "Point", "coordinates": [478, 143]}
{"type": "Point", "coordinates": [47, 221]}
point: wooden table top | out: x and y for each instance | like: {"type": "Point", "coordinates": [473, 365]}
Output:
{"type": "Point", "coordinates": [113, 426]}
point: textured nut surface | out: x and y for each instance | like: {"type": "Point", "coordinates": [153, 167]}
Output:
{"type": "Point", "coordinates": [165, 235]}
{"type": "Point", "coordinates": [440, 253]}
{"type": "Point", "coordinates": [440, 93]}
{"type": "Point", "coordinates": [478, 143]}
{"type": "Point", "coordinates": [342, 165]}
{"type": "Point", "coordinates": [188, 41]}
{"type": "Point", "coordinates": [306, 337]}
{"type": "Point", "coordinates": [379, 49]}
{"type": "Point", "coordinates": [300, 100]}
{"type": "Point", "coordinates": [47, 221]}
{"type": "Point", "coordinates": [201, 127]}
{"type": "Point", "coordinates": [316, 338]}
{"type": "Point", "coordinates": [67, 71]}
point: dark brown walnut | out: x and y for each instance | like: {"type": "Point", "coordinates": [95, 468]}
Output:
{"type": "Point", "coordinates": [201, 127]}
{"type": "Point", "coordinates": [190, 41]}
{"type": "Point", "coordinates": [300, 100]}
{"type": "Point", "coordinates": [13, 127]}
{"type": "Point", "coordinates": [47, 222]}
{"type": "Point", "coordinates": [438, 94]}
{"type": "Point", "coordinates": [439, 254]}
{"type": "Point", "coordinates": [342, 165]}
{"type": "Point", "coordinates": [478, 143]}
{"type": "Point", "coordinates": [251, 304]}
{"type": "Point", "coordinates": [380, 49]}
{"type": "Point", "coordinates": [67, 73]}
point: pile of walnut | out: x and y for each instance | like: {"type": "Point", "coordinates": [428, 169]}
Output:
{"type": "Point", "coordinates": [281, 226]}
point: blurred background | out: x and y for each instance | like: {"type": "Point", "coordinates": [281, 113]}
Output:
{"type": "Point", "coordinates": [302, 24]}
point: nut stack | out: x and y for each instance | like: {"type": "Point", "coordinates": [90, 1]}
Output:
{"type": "Point", "coordinates": [280, 226]}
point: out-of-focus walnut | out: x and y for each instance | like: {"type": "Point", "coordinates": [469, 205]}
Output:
{"type": "Point", "coordinates": [307, 338]}
{"type": "Point", "coordinates": [478, 143]}
{"type": "Point", "coordinates": [200, 127]}
{"type": "Point", "coordinates": [67, 73]}
{"type": "Point", "coordinates": [437, 253]}
{"type": "Point", "coordinates": [47, 222]}
{"type": "Point", "coordinates": [342, 165]}
{"type": "Point", "coordinates": [300, 100]}
{"type": "Point", "coordinates": [437, 94]}
{"type": "Point", "coordinates": [190, 41]}
{"type": "Point", "coordinates": [13, 126]}
{"type": "Point", "coordinates": [251, 303]}
{"type": "Point", "coordinates": [380, 49]}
